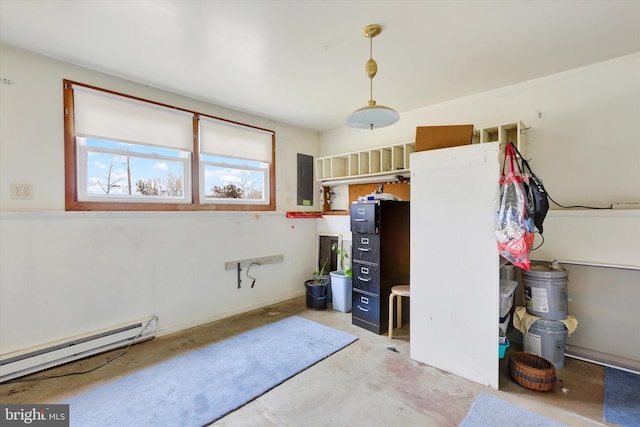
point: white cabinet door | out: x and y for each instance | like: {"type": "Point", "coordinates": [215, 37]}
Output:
{"type": "Point", "coordinates": [454, 261]}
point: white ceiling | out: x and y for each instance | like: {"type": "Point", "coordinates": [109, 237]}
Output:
{"type": "Point", "coordinates": [302, 62]}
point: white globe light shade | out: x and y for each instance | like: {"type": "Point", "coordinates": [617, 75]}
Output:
{"type": "Point", "coordinates": [372, 117]}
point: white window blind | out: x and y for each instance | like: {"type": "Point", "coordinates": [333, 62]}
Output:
{"type": "Point", "coordinates": [231, 140]}
{"type": "Point", "coordinates": [108, 116]}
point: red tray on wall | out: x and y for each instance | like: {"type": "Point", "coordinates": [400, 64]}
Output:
{"type": "Point", "coordinates": [304, 214]}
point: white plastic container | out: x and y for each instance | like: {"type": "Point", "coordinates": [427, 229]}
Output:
{"type": "Point", "coordinates": [341, 291]}
{"type": "Point", "coordinates": [507, 290]}
{"type": "Point", "coordinates": [505, 324]}
{"type": "Point", "coordinates": [507, 272]}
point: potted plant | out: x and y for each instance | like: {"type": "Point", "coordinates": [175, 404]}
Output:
{"type": "Point", "coordinates": [341, 281]}
{"type": "Point", "coordinates": [317, 288]}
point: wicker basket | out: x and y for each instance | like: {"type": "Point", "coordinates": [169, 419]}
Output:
{"type": "Point", "coordinates": [532, 372]}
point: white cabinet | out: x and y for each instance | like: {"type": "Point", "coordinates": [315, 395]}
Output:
{"type": "Point", "coordinates": [454, 261]}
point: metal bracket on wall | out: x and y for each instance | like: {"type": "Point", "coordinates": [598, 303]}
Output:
{"type": "Point", "coordinates": [237, 264]}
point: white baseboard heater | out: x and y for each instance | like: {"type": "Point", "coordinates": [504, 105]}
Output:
{"type": "Point", "coordinates": [24, 362]}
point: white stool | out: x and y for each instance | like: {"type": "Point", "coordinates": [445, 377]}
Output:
{"type": "Point", "coordinates": [399, 291]}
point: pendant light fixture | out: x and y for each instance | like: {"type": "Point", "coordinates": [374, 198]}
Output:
{"type": "Point", "coordinates": [372, 116]}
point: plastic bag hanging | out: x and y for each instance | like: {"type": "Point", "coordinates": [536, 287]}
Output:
{"type": "Point", "coordinates": [514, 236]}
{"type": "Point", "coordinates": [540, 202]}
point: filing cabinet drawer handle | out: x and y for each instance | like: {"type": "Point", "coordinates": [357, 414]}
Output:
{"type": "Point", "coordinates": [359, 219]}
{"type": "Point", "coordinates": [365, 309]}
{"type": "Point", "coordinates": [364, 249]}
{"type": "Point", "coordinates": [364, 279]}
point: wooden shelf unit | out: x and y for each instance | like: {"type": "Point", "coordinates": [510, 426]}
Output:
{"type": "Point", "coordinates": [365, 163]}
{"type": "Point", "coordinates": [514, 132]}
{"type": "Point", "coordinates": [368, 164]}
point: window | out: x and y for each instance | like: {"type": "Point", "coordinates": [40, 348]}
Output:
{"type": "Point", "coordinates": [235, 163]}
{"type": "Point", "coordinates": [118, 171]}
{"type": "Point", "coordinates": [125, 153]}
{"type": "Point", "coordinates": [229, 180]}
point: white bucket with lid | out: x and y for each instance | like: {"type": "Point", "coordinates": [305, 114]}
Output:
{"type": "Point", "coordinates": [545, 290]}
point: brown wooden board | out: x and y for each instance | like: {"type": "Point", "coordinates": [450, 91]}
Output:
{"type": "Point", "coordinates": [434, 137]}
{"type": "Point", "coordinates": [398, 189]}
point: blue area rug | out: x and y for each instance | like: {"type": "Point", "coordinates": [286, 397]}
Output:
{"type": "Point", "coordinates": [200, 387]}
{"type": "Point", "coordinates": [621, 397]}
{"type": "Point", "coordinates": [490, 411]}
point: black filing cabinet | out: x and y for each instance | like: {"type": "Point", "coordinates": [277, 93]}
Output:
{"type": "Point", "coordinates": [380, 260]}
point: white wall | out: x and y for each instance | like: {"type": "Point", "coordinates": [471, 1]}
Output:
{"type": "Point", "coordinates": [65, 273]}
{"type": "Point", "coordinates": [601, 251]}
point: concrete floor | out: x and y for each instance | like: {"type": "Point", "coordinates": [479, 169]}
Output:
{"type": "Point", "coordinates": [364, 384]}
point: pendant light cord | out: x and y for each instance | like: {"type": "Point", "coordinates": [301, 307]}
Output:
{"type": "Point", "coordinates": [371, 78]}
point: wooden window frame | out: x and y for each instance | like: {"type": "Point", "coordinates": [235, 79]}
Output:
{"type": "Point", "coordinates": [71, 179]}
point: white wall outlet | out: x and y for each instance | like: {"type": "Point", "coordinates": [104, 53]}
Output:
{"type": "Point", "coordinates": [21, 191]}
